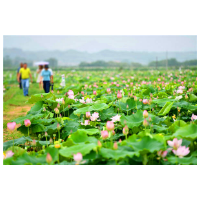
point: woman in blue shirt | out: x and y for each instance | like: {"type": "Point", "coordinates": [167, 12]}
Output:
{"type": "Point", "coordinates": [47, 77]}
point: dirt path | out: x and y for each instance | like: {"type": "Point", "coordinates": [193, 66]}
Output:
{"type": "Point", "coordinates": [17, 111]}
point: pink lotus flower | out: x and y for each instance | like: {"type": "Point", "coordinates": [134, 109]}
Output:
{"type": "Point", "coordinates": [159, 79]}
{"type": "Point", "coordinates": [11, 126]}
{"type": "Point", "coordinates": [86, 122]}
{"type": "Point", "coordinates": [162, 153]}
{"type": "Point", "coordinates": [82, 92]}
{"type": "Point", "coordinates": [104, 134]}
{"type": "Point", "coordinates": [115, 145]}
{"type": "Point", "coordinates": [88, 100]}
{"type": "Point", "coordinates": [71, 96]}
{"type": "Point", "coordinates": [108, 90]}
{"type": "Point", "coordinates": [179, 91]}
{"type": "Point", "coordinates": [27, 122]}
{"type": "Point", "coordinates": [82, 100]}
{"type": "Point", "coordinates": [94, 116]}
{"type": "Point", "coordinates": [119, 95]}
{"type": "Point", "coordinates": [117, 85]}
{"type": "Point", "coordinates": [145, 114]}
{"type": "Point", "coordinates": [78, 157]}
{"type": "Point", "coordinates": [194, 117]}
{"type": "Point", "coordinates": [95, 92]}
{"type": "Point", "coordinates": [48, 158]}
{"type": "Point", "coordinates": [181, 151]}
{"type": "Point", "coordinates": [87, 115]}
{"type": "Point", "coordinates": [110, 125]}
{"type": "Point", "coordinates": [70, 93]}
{"type": "Point", "coordinates": [8, 154]}
{"type": "Point", "coordinates": [175, 143]}
{"type": "Point", "coordinates": [145, 101]}
{"type": "Point", "coordinates": [116, 118]}
{"type": "Point", "coordinates": [125, 130]}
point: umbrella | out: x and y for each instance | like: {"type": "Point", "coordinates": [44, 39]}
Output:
{"type": "Point", "coordinates": [41, 63]}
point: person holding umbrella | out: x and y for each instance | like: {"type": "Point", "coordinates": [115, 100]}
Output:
{"type": "Point", "coordinates": [39, 79]}
{"type": "Point", "coordinates": [47, 77]}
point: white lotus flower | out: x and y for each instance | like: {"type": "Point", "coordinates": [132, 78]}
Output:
{"type": "Point", "coordinates": [116, 118]}
{"type": "Point", "coordinates": [59, 99]}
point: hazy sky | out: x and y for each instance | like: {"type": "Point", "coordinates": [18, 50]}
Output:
{"type": "Point", "coordinates": [98, 43]}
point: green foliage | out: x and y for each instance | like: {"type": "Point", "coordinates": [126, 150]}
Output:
{"type": "Point", "coordinates": [68, 133]}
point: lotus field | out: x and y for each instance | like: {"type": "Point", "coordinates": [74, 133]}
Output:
{"type": "Point", "coordinates": [110, 118]}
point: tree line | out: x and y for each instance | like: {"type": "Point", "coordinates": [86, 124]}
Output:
{"type": "Point", "coordinates": [10, 63]}
{"type": "Point", "coordinates": [172, 62]}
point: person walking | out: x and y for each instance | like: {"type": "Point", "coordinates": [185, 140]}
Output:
{"type": "Point", "coordinates": [47, 75]}
{"type": "Point", "coordinates": [25, 74]}
{"type": "Point", "coordinates": [20, 82]}
{"type": "Point", "coordinates": [39, 78]}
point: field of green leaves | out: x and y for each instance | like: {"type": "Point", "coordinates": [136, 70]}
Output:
{"type": "Point", "coordinates": [109, 118]}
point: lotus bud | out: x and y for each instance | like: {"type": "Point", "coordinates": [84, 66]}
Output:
{"type": "Point", "coordinates": [45, 134]}
{"type": "Point", "coordinates": [125, 130]}
{"type": "Point", "coordinates": [145, 114]}
{"type": "Point", "coordinates": [110, 125]}
{"type": "Point", "coordinates": [27, 122]}
{"type": "Point", "coordinates": [56, 110]}
{"type": "Point", "coordinates": [51, 140]}
{"type": "Point", "coordinates": [95, 92]}
{"type": "Point", "coordinates": [99, 144]}
{"type": "Point", "coordinates": [115, 145]}
{"type": "Point", "coordinates": [87, 115]}
{"type": "Point", "coordinates": [104, 134]}
{"type": "Point", "coordinates": [58, 126]}
{"type": "Point", "coordinates": [145, 123]}
{"type": "Point", "coordinates": [48, 158]}
{"type": "Point", "coordinates": [150, 119]}
{"type": "Point", "coordinates": [119, 95]}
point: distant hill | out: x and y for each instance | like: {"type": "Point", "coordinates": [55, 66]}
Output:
{"type": "Point", "coordinates": [73, 57]}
